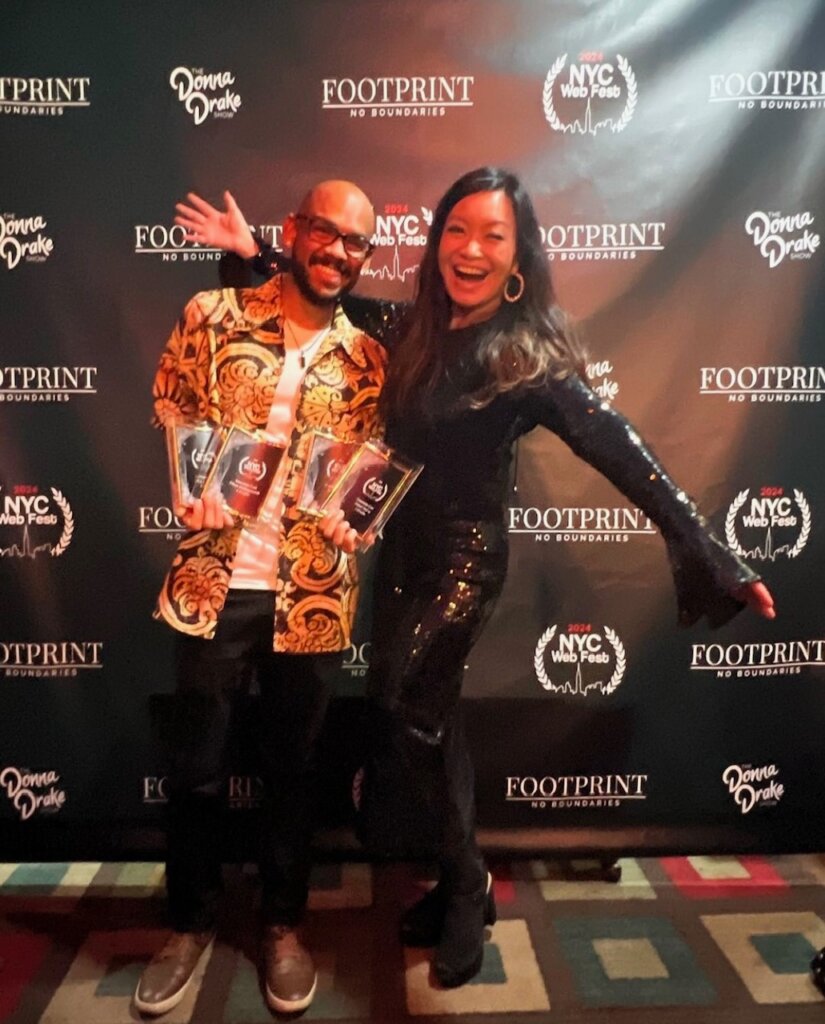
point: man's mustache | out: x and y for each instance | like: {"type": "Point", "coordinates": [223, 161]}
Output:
{"type": "Point", "coordinates": [329, 261]}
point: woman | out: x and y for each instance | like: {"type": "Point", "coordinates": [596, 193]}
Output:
{"type": "Point", "coordinates": [482, 357]}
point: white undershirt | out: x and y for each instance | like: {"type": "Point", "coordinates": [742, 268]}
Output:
{"type": "Point", "coordinates": [256, 558]}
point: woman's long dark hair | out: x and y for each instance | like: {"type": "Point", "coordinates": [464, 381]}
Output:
{"type": "Point", "coordinates": [529, 342]}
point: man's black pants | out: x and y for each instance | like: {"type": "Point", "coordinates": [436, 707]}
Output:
{"type": "Point", "coordinates": [211, 675]}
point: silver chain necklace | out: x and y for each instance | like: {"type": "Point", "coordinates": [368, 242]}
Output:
{"type": "Point", "coordinates": [307, 350]}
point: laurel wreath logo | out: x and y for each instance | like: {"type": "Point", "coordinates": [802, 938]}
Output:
{"type": "Point", "coordinates": [68, 523]}
{"type": "Point", "coordinates": [550, 109]}
{"type": "Point", "coordinates": [621, 660]}
{"type": "Point", "coordinates": [739, 501]}
{"type": "Point", "coordinates": [547, 94]}
{"type": "Point", "coordinates": [613, 640]}
{"type": "Point", "coordinates": [730, 522]}
{"type": "Point", "coordinates": [427, 216]}
{"type": "Point", "coordinates": [632, 93]}
{"type": "Point", "coordinates": [805, 510]}
{"type": "Point", "coordinates": [538, 657]}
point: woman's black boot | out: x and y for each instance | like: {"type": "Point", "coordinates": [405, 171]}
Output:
{"type": "Point", "coordinates": [423, 922]}
{"type": "Point", "coordinates": [460, 951]}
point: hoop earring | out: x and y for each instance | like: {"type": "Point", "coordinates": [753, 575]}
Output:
{"type": "Point", "coordinates": [514, 298]}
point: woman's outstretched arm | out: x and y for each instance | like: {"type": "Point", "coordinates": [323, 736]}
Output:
{"type": "Point", "coordinates": [710, 579]}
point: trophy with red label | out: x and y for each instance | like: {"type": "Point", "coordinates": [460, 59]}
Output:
{"type": "Point", "coordinates": [326, 459]}
{"type": "Point", "coordinates": [245, 470]}
{"type": "Point", "coordinates": [371, 488]}
{"type": "Point", "coordinates": [192, 449]}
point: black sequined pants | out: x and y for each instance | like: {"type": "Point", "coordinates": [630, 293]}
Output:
{"type": "Point", "coordinates": [437, 582]}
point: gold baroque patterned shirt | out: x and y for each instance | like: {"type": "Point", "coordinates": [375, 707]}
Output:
{"type": "Point", "coordinates": [222, 363]}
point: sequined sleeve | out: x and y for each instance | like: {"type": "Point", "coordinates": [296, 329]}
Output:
{"type": "Point", "coordinates": [705, 571]}
{"type": "Point", "coordinates": [381, 319]}
{"type": "Point", "coordinates": [268, 260]}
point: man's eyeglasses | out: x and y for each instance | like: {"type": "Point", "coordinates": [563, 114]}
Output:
{"type": "Point", "coordinates": [325, 233]}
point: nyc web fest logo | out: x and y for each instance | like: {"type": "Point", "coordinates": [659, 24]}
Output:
{"type": "Point", "coordinates": [768, 525]}
{"type": "Point", "coordinates": [588, 95]}
{"type": "Point", "coordinates": [580, 661]}
{"type": "Point", "coordinates": [400, 236]}
{"type": "Point", "coordinates": [33, 524]}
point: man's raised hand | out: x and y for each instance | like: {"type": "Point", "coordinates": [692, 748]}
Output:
{"type": "Point", "coordinates": [223, 229]}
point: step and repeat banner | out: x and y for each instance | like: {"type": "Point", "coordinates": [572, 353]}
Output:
{"type": "Point", "coordinates": [676, 156]}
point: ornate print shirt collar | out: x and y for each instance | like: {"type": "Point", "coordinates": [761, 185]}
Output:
{"type": "Point", "coordinates": [257, 306]}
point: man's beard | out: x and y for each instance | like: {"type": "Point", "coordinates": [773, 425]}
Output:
{"type": "Point", "coordinates": [301, 278]}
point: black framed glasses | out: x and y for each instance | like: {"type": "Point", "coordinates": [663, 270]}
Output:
{"type": "Point", "coordinates": [324, 232]}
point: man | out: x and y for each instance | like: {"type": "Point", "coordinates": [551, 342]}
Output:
{"type": "Point", "coordinates": [275, 598]}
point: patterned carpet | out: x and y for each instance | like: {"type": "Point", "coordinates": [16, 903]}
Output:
{"type": "Point", "coordinates": [696, 940]}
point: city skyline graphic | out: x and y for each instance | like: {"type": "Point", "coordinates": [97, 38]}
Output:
{"type": "Point", "coordinates": [26, 550]}
{"type": "Point", "coordinates": [587, 126]}
{"type": "Point", "coordinates": [767, 553]}
{"type": "Point", "coordinates": [577, 687]}
{"type": "Point", "coordinates": [394, 272]}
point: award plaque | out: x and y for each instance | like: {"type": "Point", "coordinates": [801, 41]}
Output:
{"type": "Point", "coordinates": [192, 449]}
{"type": "Point", "coordinates": [327, 458]}
{"type": "Point", "coordinates": [245, 470]}
{"type": "Point", "coordinates": [371, 488]}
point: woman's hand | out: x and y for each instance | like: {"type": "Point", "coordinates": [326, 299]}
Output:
{"type": "Point", "coordinates": [206, 513]}
{"type": "Point", "coordinates": [758, 598]}
{"type": "Point", "coordinates": [225, 229]}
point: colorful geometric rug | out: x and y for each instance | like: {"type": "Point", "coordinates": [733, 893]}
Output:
{"type": "Point", "coordinates": [679, 940]}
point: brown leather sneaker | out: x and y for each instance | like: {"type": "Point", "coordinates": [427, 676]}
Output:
{"type": "Point", "coordinates": [166, 978]}
{"type": "Point", "coordinates": [290, 973]}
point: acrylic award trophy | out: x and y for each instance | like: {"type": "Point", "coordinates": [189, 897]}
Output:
{"type": "Point", "coordinates": [192, 449]}
{"type": "Point", "coordinates": [371, 488]}
{"type": "Point", "coordinates": [327, 458]}
{"type": "Point", "coordinates": [245, 470]}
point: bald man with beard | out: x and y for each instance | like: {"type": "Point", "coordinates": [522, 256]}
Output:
{"type": "Point", "coordinates": [273, 599]}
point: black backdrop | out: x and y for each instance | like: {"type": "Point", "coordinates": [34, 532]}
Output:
{"type": "Point", "coordinates": [675, 155]}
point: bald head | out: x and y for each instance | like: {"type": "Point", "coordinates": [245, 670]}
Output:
{"type": "Point", "coordinates": [329, 239]}
{"type": "Point", "coordinates": [341, 202]}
